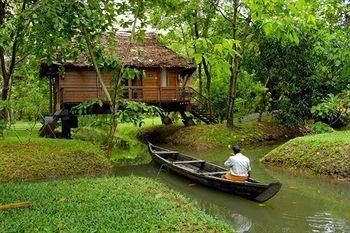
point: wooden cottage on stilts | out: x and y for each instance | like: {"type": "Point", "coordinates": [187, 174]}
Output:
{"type": "Point", "coordinates": [164, 85]}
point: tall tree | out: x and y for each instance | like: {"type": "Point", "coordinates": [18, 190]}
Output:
{"type": "Point", "coordinates": [275, 17]}
{"type": "Point", "coordinates": [12, 23]}
{"type": "Point", "coordinates": [194, 20]}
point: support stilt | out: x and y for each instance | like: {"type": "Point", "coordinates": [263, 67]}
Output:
{"type": "Point", "coordinates": [188, 121]}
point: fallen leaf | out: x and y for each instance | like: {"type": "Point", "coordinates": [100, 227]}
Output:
{"type": "Point", "coordinates": [158, 195]}
{"type": "Point", "coordinates": [293, 187]}
{"type": "Point", "coordinates": [192, 184]}
{"type": "Point", "coordinates": [15, 205]}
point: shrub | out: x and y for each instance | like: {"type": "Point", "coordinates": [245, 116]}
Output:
{"type": "Point", "coordinates": [335, 110]}
{"type": "Point", "coordinates": [320, 127]}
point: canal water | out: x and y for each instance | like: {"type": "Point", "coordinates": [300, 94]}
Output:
{"type": "Point", "coordinates": [304, 204]}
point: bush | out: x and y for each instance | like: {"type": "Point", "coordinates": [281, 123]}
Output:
{"type": "Point", "coordinates": [335, 110]}
{"type": "Point", "coordinates": [320, 127]}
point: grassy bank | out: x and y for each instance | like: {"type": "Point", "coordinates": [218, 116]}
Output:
{"type": "Point", "coordinates": [211, 136]}
{"type": "Point", "coordinates": [128, 204]}
{"type": "Point", "coordinates": [24, 157]}
{"type": "Point", "coordinates": [327, 154]}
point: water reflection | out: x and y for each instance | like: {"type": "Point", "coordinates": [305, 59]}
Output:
{"type": "Point", "coordinates": [326, 223]}
{"type": "Point", "coordinates": [241, 223]}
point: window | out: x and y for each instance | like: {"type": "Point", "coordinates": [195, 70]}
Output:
{"type": "Point", "coordinates": [164, 77]}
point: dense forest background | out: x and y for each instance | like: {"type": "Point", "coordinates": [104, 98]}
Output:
{"type": "Point", "coordinates": [290, 58]}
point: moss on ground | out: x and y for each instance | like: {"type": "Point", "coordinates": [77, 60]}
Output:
{"type": "Point", "coordinates": [211, 136]}
{"type": "Point", "coordinates": [126, 204]}
{"type": "Point", "coordinates": [25, 158]}
{"type": "Point", "coordinates": [327, 154]}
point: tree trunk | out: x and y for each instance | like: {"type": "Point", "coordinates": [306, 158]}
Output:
{"type": "Point", "coordinates": [234, 70]}
{"type": "Point", "coordinates": [113, 102]}
{"type": "Point", "coordinates": [264, 98]}
{"type": "Point", "coordinates": [200, 104]}
{"type": "Point", "coordinates": [5, 93]}
{"type": "Point", "coordinates": [206, 69]}
{"type": "Point", "coordinates": [5, 76]}
{"type": "Point", "coordinates": [7, 73]}
{"type": "Point", "coordinates": [262, 108]}
{"type": "Point", "coordinates": [208, 86]}
{"type": "Point", "coordinates": [104, 88]}
{"type": "Point", "coordinates": [232, 91]}
{"type": "Point", "coordinates": [235, 64]}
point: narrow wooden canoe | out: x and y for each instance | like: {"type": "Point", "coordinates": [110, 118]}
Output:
{"type": "Point", "coordinates": [210, 175]}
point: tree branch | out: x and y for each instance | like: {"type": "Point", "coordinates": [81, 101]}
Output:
{"type": "Point", "coordinates": [97, 69]}
{"type": "Point", "coordinates": [3, 63]}
{"type": "Point", "coordinates": [221, 11]}
{"type": "Point", "coordinates": [21, 59]}
{"type": "Point", "coordinates": [136, 15]}
{"type": "Point", "coordinates": [15, 45]}
{"type": "Point", "coordinates": [2, 52]}
{"type": "Point", "coordinates": [94, 62]}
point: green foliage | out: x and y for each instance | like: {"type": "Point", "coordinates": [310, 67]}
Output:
{"type": "Point", "coordinates": [293, 53]}
{"type": "Point", "coordinates": [135, 112]}
{"type": "Point", "coordinates": [250, 94]}
{"type": "Point", "coordinates": [328, 110]}
{"type": "Point", "coordinates": [124, 204]}
{"type": "Point", "coordinates": [296, 53]}
{"type": "Point", "coordinates": [128, 111]}
{"type": "Point", "coordinates": [86, 106]}
{"type": "Point", "coordinates": [320, 127]}
{"type": "Point", "coordinates": [289, 73]}
{"type": "Point", "coordinates": [335, 110]}
{"type": "Point", "coordinates": [30, 98]}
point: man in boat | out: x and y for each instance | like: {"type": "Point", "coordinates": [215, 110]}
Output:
{"type": "Point", "coordinates": [239, 166]}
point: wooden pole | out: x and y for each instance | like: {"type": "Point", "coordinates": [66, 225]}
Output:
{"type": "Point", "coordinates": [50, 86]}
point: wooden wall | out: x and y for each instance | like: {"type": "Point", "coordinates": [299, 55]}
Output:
{"type": "Point", "coordinates": [80, 84]}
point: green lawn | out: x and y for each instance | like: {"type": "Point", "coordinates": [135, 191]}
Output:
{"type": "Point", "coordinates": [128, 204]}
{"type": "Point", "coordinates": [327, 154]}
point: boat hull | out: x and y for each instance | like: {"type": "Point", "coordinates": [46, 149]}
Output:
{"type": "Point", "coordinates": [251, 189]}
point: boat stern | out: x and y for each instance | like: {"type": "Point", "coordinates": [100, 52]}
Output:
{"type": "Point", "coordinates": [271, 191]}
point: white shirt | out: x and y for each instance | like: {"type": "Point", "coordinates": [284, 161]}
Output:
{"type": "Point", "coordinates": [239, 165]}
